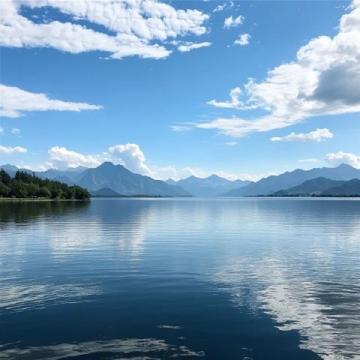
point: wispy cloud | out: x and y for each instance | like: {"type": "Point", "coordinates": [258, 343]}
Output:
{"type": "Point", "coordinates": [15, 101]}
{"type": "Point", "coordinates": [8, 150]}
{"type": "Point", "coordinates": [309, 161]}
{"type": "Point", "coordinates": [317, 135]}
{"type": "Point", "coordinates": [186, 47]}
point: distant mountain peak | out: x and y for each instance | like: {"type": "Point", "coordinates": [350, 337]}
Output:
{"type": "Point", "coordinates": [345, 166]}
{"type": "Point", "coordinates": [106, 164]}
{"type": "Point", "coordinates": [215, 177]}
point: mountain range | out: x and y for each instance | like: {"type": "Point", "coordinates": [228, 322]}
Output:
{"type": "Point", "coordinates": [108, 180]}
{"type": "Point", "coordinates": [323, 187]}
{"type": "Point", "coordinates": [210, 186]}
{"type": "Point", "coordinates": [274, 183]}
{"type": "Point", "coordinates": [115, 180]}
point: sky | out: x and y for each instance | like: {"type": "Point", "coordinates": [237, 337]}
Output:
{"type": "Point", "coordinates": [242, 89]}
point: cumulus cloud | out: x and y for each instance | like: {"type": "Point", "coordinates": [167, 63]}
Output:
{"type": "Point", "coordinates": [243, 40]}
{"type": "Point", "coordinates": [137, 26]}
{"type": "Point", "coordinates": [128, 155]}
{"type": "Point", "coordinates": [62, 158]}
{"type": "Point", "coordinates": [186, 47]}
{"type": "Point", "coordinates": [8, 150]}
{"type": "Point", "coordinates": [233, 103]}
{"type": "Point", "coordinates": [15, 101]}
{"type": "Point", "coordinates": [317, 135]}
{"type": "Point", "coordinates": [324, 79]}
{"type": "Point", "coordinates": [233, 21]}
{"type": "Point", "coordinates": [131, 156]}
{"type": "Point", "coordinates": [341, 157]}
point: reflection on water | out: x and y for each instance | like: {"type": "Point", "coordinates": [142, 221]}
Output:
{"type": "Point", "coordinates": [129, 348]}
{"type": "Point", "coordinates": [24, 297]}
{"type": "Point", "coordinates": [21, 212]}
{"type": "Point", "coordinates": [165, 278]}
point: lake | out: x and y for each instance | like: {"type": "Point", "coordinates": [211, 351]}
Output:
{"type": "Point", "coordinates": [180, 278]}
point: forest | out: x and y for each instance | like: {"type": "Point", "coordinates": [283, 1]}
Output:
{"type": "Point", "coordinates": [29, 186]}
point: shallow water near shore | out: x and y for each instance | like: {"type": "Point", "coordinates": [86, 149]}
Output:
{"type": "Point", "coordinates": [180, 278]}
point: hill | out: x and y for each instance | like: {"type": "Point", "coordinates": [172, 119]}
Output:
{"type": "Point", "coordinates": [25, 185]}
{"type": "Point", "coordinates": [272, 184]}
{"type": "Point", "coordinates": [348, 188]}
{"type": "Point", "coordinates": [310, 187]}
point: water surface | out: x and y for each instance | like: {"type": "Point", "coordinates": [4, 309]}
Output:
{"type": "Point", "coordinates": [180, 278]}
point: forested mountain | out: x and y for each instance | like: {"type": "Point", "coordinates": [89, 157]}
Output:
{"type": "Point", "coordinates": [310, 187]}
{"type": "Point", "coordinates": [25, 185]}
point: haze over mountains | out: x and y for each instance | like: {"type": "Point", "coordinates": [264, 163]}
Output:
{"type": "Point", "coordinates": [115, 180]}
{"type": "Point", "coordinates": [271, 184]}
{"type": "Point", "coordinates": [211, 186]}
{"type": "Point", "coordinates": [108, 180]}
{"type": "Point", "coordinates": [323, 187]}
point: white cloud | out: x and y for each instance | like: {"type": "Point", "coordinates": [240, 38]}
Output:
{"type": "Point", "coordinates": [175, 173]}
{"type": "Point", "coordinates": [219, 8]}
{"type": "Point", "coordinates": [309, 161]}
{"type": "Point", "coordinates": [243, 40]}
{"type": "Point", "coordinates": [317, 135]}
{"type": "Point", "coordinates": [324, 79]}
{"type": "Point", "coordinates": [131, 156]}
{"type": "Point", "coordinates": [15, 101]}
{"type": "Point", "coordinates": [138, 26]}
{"type": "Point", "coordinates": [1, 130]}
{"type": "Point", "coordinates": [231, 143]}
{"type": "Point", "coordinates": [186, 47]}
{"type": "Point", "coordinates": [15, 131]}
{"type": "Point", "coordinates": [233, 103]}
{"type": "Point", "coordinates": [180, 128]}
{"type": "Point", "coordinates": [233, 22]}
{"type": "Point", "coordinates": [341, 157]}
{"type": "Point", "coordinates": [8, 150]}
{"type": "Point", "coordinates": [62, 158]}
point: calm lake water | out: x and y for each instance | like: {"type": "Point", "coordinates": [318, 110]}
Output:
{"type": "Point", "coordinates": [180, 278]}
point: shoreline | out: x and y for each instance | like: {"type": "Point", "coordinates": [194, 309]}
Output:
{"type": "Point", "coordinates": [40, 200]}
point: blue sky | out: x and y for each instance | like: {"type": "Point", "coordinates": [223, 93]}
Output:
{"type": "Point", "coordinates": [146, 104]}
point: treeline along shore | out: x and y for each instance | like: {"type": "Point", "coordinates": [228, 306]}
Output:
{"type": "Point", "coordinates": [28, 186]}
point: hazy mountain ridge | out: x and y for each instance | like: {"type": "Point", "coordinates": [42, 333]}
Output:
{"type": "Point", "coordinates": [323, 187]}
{"type": "Point", "coordinates": [115, 178]}
{"type": "Point", "coordinates": [124, 182]}
{"type": "Point", "coordinates": [348, 188]}
{"type": "Point", "coordinates": [310, 187]}
{"type": "Point", "coordinates": [213, 185]}
{"type": "Point", "coordinates": [287, 180]}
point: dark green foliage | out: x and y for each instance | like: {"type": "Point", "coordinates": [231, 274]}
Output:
{"type": "Point", "coordinates": [25, 185]}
